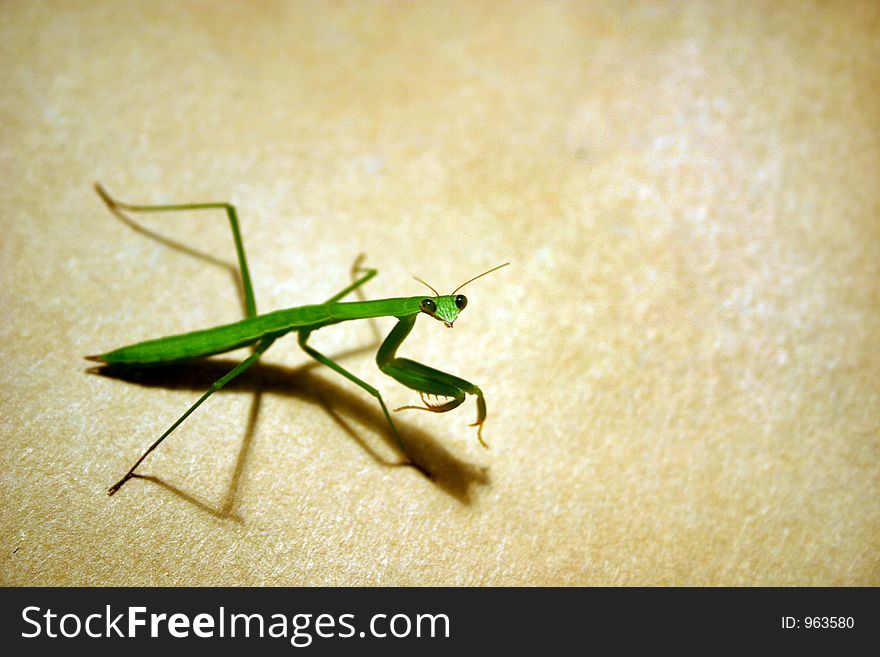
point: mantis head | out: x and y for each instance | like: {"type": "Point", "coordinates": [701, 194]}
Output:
{"type": "Point", "coordinates": [446, 307]}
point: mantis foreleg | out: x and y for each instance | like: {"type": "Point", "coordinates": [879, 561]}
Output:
{"type": "Point", "coordinates": [427, 380]}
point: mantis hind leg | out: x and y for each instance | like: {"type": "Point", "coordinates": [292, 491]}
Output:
{"type": "Point", "coordinates": [219, 383]}
{"type": "Point", "coordinates": [426, 380]}
{"type": "Point", "coordinates": [336, 367]}
{"type": "Point", "coordinates": [246, 286]}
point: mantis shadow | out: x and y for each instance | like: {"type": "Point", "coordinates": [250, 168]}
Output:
{"type": "Point", "coordinates": [451, 474]}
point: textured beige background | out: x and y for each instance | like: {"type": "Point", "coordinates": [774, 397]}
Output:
{"type": "Point", "coordinates": [682, 365]}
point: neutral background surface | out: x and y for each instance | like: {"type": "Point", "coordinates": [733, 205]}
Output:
{"type": "Point", "coordinates": [682, 364]}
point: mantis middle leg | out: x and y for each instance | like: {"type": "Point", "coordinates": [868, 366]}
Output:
{"type": "Point", "coordinates": [336, 367]}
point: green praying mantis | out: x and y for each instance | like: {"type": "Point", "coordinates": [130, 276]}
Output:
{"type": "Point", "coordinates": [261, 332]}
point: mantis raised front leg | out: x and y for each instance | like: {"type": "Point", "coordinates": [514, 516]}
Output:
{"type": "Point", "coordinates": [427, 380]}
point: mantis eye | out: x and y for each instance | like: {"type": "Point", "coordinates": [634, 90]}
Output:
{"type": "Point", "coordinates": [460, 301]}
{"type": "Point", "coordinates": [428, 306]}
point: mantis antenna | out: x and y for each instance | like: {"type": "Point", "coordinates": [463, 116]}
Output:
{"type": "Point", "coordinates": [480, 276]}
{"type": "Point", "coordinates": [431, 287]}
{"type": "Point", "coordinates": [428, 285]}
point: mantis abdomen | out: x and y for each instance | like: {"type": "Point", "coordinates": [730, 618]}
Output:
{"type": "Point", "coordinates": [216, 340]}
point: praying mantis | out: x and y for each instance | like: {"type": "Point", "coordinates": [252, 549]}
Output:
{"type": "Point", "coordinates": [262, 330]}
